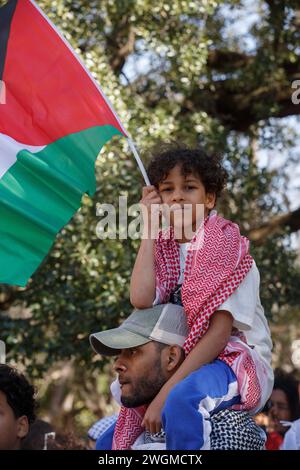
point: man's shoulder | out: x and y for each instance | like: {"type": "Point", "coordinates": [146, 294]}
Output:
{"type": "Point", "coordinates": [104, 441]}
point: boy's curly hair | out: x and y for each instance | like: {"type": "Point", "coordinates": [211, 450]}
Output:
{"type": "Point", "coordinates": [18, 391]}
{"type": "Point", "coordinates": [208, 167]}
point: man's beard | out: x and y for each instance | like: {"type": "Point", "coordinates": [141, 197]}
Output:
{"type": "Point", "coordinates": [146, 389]}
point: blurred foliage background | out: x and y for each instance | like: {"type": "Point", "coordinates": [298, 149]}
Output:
{"type": "Point", "coordinates": [218, 73]}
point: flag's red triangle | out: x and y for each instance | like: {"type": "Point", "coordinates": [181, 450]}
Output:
{"type": "Point", "coordinates": [48, 92]}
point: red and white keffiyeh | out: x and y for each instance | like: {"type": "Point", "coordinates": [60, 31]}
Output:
{"type": "Point", "coordinates": [128, 427]}
{"type": "Point", "coordinates": [217, 261]}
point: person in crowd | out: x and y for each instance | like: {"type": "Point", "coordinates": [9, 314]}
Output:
{"type": "Point", "coordinates": [283, 408]}
{"type": "Point", "coordinates": [99, 428]}
{"type": "Point", "coordinates": [17, 408]}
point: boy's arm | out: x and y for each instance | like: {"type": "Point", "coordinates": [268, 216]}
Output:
{"type": "Point", "coordinates": [206, 350]}
{"type": "Point", "coordinates": [142, 284]}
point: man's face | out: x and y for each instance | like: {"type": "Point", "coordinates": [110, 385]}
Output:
{"type": "Point", "coordinates": [11, 428]}
{"type": "Point", "coordinates": [279, 411]}
{"type": "Point", "coordinates": [141, 374]}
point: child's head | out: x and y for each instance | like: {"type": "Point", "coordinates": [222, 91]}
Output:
{"type": "Point", "coordinates": [185, 175]}
{"type": "Point", "coordinates": [191, 162]}
{"type": "Point", "coordinates": [17, 407]}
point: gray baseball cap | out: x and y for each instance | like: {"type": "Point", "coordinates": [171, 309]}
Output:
{"type": "Point", "coordinates": [165, 323]}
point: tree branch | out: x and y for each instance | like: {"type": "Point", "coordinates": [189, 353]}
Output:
{"type": "Point", "coordinates": [225, 60]}
{"type": "Point", "coordinates": [122, 51]}
{"type": "Point", "coordinates": [238, 105]}
{"type": "Point", "coordinates": [290, 220]}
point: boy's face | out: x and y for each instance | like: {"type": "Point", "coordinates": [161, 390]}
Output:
{"type": "Point", "coordinates": [178, 189]}
{"type": "Point", "coordinates": [12, 429]}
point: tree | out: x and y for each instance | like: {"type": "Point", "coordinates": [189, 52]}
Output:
{"type": "Point", "coordinates": [172, 71]}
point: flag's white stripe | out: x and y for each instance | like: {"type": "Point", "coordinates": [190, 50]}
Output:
{"type": "Point", "coordinates": [9, 148]}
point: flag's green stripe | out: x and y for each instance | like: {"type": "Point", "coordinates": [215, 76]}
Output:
{"type": "Point", "coordinates": [38, 196]}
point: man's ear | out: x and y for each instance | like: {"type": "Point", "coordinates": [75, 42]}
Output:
{"type": "Point", "coordinates": [174, 357]}
{"type": "Point", "coordinates": [22, 427]}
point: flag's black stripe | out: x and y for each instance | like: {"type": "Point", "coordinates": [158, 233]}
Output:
{"type": "Point", "coordinates": [6, 15]}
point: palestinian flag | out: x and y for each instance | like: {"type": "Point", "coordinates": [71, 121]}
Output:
{"type": "Point", "coordinates": [54, 119]}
